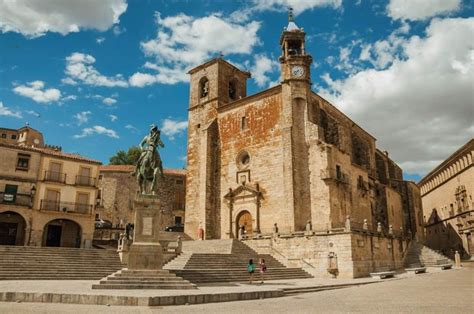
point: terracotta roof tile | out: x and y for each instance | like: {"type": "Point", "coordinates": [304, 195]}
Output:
{"type": "Point", "coordinates": [51, 152]}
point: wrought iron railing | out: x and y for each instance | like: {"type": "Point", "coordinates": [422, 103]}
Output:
{"type": "Point", "coordinates": [65, 207]}
{"type": "Point", "coordinates": [85, 181]}
{"type": "Point", "coordinates": [54, 176]}
{"type": "Point", "coordinates": [16, 199]}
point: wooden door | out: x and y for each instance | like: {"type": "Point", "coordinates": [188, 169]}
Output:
{"type": "Point", "coordinates": [52, 200]}
{"type": "Point", "coordinates": [245, 220]}
{"type": "Point", "coordinates": [82, 205]}
{"type": "Point", "coordinates": [85, 176]}
{"type": "Point", "coordinates": [55, 171]}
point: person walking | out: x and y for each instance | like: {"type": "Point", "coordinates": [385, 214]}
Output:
{"type": "Point", "coordinates": [263, 269]}
{"type": "Point", "coordinates": [250, 269]}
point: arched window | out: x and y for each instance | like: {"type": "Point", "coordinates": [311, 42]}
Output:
{"type": "Point", "coordinates": [233, 92]}
{"type": "Point", "coordinates": [203, 87]}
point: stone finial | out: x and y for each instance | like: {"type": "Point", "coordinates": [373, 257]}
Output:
{"type": "Point", "coordinates": [379, 227]}
{"type": "Point", "coordinates": [179, 248]}
{"type": "Point", "coordinates": [365, 226]}
{"type": "Point", "coordinates": [390, 230]}
{"type": "Point", "coordinates": [457, 259]}
{"type": "Point", "coordinates": [347, 226]}
{"type": "Point", "coordinates": [291, 17]}
{"type": "Point", "coordinates": [309, 226]}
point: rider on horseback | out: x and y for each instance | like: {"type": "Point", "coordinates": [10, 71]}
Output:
{"type": "Point", "coordinates": [149, 161]}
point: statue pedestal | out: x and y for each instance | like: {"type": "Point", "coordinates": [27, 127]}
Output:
{"type": "Point", "coordinates": [146, 251]}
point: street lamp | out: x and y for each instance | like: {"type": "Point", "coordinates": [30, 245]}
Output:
{"type": "Point", "coordinates": [33, 191]}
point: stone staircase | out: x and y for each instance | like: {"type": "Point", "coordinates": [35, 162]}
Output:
{"type": "Point", "coordinates": [229, 265]}
{"type": "Point", "coordinates": [421, 255]}
{"type": "Point", "coordinates": [143, 279]}
{"type": "Point", "coordinates": [56, 263]}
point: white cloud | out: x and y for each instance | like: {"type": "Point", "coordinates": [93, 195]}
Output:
{"type": "Point", "coordinates": [421, 9]}
{"type": "Point", "coordinates": [36, 91]}
{"type": "Point", "coordinates": [7, 112]}
{"type": "Point", "coordinates": [33, 113]}
{"type": "Point", "coordinates": [170, 127]}
{"type": "Point", "coordinates": [298, 5]}
{"type": "Point", "coordinates": [79, 68]}
{"type": "Point", "coordinates": [100, 40]}
{"type": "Point", "coordinates": [34, 18]}
{"type": "Point", "coordinates": [82, 117]}
{"type": "Point", "coordinates": [113, 117]}
{"type": "Point", "coordinates": [70, 97]}
{"type": "Point", "coordinates": [131, 128]}
{"type": "Point", "coordinates": [183, 42]}
{"type": "Point", "coordinates": [421, 106]}
{"type": "Point", "coordinates": [97, 129]}
{"type": "Point", "coordinates": [262, 68]}
{"type": "Point", "coordinates": [109, 101]}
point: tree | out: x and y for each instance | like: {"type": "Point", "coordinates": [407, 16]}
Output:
{"type": "Point", "coordinates": [126, 158]}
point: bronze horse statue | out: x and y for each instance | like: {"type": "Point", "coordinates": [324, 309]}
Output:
{"type": "Point", "coordinates": [149, 166]}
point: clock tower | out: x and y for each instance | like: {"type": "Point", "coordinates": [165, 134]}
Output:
{"type": "Point", "coordinates": [296, 129]}
{"type": "Point", "coordinates": [295, 63]}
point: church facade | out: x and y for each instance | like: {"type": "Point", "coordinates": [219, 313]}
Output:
{"type": "Point", "coordinates": [284, 160]}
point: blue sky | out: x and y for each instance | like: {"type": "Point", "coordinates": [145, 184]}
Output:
{"type": "Point", "coordinates": [93, 75]}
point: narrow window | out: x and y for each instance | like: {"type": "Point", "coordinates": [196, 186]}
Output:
{"type": "Point", "coordinates": [233, 89]}
{"type": "Point", "coordinates": [203, 87]}
{"type": "Point", "coordinates": [243, 123]}
{"type": "Point", "coordinates": [338, 172]}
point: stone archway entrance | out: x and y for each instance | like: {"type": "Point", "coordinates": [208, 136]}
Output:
{"type": "Point", "coordinates": [62, 232]}
{"type": "Point", "coordinates": [12, 229]}
{"type": "Point", "coordinates": [245, 219]}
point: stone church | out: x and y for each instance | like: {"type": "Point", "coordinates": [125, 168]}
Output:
{"type": "Point", "coordinates": [284, 159]}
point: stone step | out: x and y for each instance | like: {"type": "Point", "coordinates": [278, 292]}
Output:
{"type": "Point", "coordinates": [140, 281]}
{"type": "Point", "coordinates": [143, 286]}
{"type": "Point", "coordinates": [144, 277]}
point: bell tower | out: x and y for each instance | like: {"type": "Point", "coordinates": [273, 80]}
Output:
{"type": "Point", "coordinates": [295, 63]}
{"type": "Point", "coordinates": [296, 94]}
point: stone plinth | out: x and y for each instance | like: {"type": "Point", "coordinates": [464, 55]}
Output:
{"type": "Point", "coordinates": [146, 251]}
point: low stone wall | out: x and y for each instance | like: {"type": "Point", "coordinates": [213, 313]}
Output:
{"type": "Point", "coordinates": [352, 254]}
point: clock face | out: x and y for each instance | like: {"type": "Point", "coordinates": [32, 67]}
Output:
{"type": "Point", "coordinates": [297, 71]}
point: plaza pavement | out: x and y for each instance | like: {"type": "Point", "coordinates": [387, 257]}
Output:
{"type": "Point", "coordinates": [450, 291]}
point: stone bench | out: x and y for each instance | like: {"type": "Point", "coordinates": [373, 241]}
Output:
{"type": "Point", "coordinates": [383, 274]}
{"type": "Point", "coordinates": [416, 270]}
{"type": "Point", "coordinates": [444, 264]}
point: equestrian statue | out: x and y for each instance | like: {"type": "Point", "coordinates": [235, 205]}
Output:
{"type": "Point", "coordinates": [149, 166]}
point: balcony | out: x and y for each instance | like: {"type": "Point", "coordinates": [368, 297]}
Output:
{"type": "Point", "coordinates": [333, 174]}
{"type": "Point", "coordinates": [53, 176]}
{"type": "Point", "coordinates": [86, 181]}
{"type": "Point", "coordinates": [16, 199]}
{"type": "Point", "coordinates": [65, 207]}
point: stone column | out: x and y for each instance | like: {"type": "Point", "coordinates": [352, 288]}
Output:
{"type": "Point", "coordinates": [146, 251]}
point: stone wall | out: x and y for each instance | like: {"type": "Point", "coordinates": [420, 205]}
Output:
{"type": "Point", "coordinates": [118, 189]}
{"type": "Point", "coordinates": [447, 198]}
{"type": "Point", "coordinates": [357, 253]}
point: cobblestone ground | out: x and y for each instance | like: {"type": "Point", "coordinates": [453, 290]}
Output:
{"type": "Point", "coordinates": [451, 291]}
